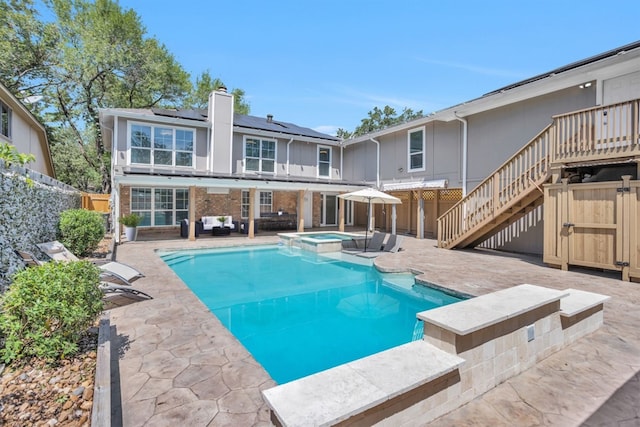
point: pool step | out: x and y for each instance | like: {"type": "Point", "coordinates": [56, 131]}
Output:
{"type": "Point", "coordinates": [177, 259]}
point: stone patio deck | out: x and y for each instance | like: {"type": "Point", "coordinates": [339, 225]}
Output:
{"type": "Point", "coordinates": [179, 365]}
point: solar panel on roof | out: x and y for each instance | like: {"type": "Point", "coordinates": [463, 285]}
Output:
{"type": "Point", "coordinates": [179, 114]}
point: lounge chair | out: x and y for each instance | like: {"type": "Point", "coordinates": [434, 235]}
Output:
{"type": "Point", "coordinates": [106, 286]}
{"type": "Point", "coordinates": [28, 259]}
{"type": "Point", "coordinates": [392, 245]}
{"type": "Point", "coordinates": [374, 244]}
{"type": "Point", "coordinates": [112, 271]}
{"type": "Point", "coordinates": [127, 291]}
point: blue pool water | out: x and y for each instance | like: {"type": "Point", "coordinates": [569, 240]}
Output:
{"type": "Point", "coordinates": [299, 312]}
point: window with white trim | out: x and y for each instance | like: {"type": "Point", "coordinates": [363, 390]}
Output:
{"type": "Point", "coordinates": [266, 201]}
{"type": "Point", "coordinates": [5, 120]}
{"type": "Point", "coordinates": [259, 155]}
{"type": "Point", "coordinates": [160, 206]}
{"type": "Point", "coordinates": [324, 161]}
{"type": "Point", "coordinates": [244, 204]}
{"type": "Point", "coordinates": [161, 145]}
{"type": "Point", "coordinates": [416, 142]}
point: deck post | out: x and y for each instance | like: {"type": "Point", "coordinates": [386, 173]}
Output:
{"type": "Point", "coordinates": [341, 214]}
{"type": "Point", "coordinates": [252, 202]}
{"type": "Point", "coordinates": [566, 229]}
{"type": "Point", "coordinates": [301, 211]}
{"type": "Point", "coordinates": [393, 219]}
{"type": "Point", "coordinates": [495, 199]}
{"type": "Point", "coordinates": [420, 216]}
{"type": "Point", "coordinates": [192, 213]}
{"type": "Point", "coordinates": [625, 224]}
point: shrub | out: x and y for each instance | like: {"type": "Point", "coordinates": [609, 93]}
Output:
{"type": "Point", "coordinates": [81, 230]}
{"type": "Point", "coordinates": [48, 308]}
{"type": "Point", "coordinates": [130, 220]}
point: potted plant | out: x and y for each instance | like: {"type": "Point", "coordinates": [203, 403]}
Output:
{"type": "Point", "coordinates": [222, 219]}
{"type": "Point", "coordinates": [130, 222]}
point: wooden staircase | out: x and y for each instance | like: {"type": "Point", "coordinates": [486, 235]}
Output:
{"type": "Point", "coordinates": [515, 188]}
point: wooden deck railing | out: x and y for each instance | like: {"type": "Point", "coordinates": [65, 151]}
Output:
{"type": "Point", "coordinates": [596, 133]}
{"type": "Point", "coordinates": [524, 171]}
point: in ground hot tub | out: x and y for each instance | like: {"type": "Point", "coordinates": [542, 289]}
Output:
{"type": "Point", "coordinates": [318, 241]}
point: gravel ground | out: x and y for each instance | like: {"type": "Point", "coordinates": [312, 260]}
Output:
{"type": "Point", "coordinates": [38, 394]}
{"type": "Point", "coordinates": [61, 394]}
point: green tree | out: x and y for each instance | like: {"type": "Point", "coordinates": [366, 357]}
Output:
{"type": "Point", "coordinates": [205, 84]}
{"type": "Point", "coordinates": [378, 119]}
{"type": "Point", "coordinates": [104, 60]}
{"type": "Point", "coordinates": [27, 48]}
{"type": "Point", "coordinates": [10, 155]}
{"type": "Point", "coordinates": [90, 55]}
{"type": "Point", "coordinates": [93, 55]}
{"type": "Point", "coordinates": [74, 164]}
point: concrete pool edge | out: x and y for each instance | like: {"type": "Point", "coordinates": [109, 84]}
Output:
{"type": "Point", "coordinates": [499, 344]}
{"type": "Point", "coordinates": [306, 240]}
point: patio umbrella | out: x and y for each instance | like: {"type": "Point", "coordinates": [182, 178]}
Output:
{"type": "Point", "coordinates": [369, 196]}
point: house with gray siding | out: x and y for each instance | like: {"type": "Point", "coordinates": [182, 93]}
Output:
{"type": "Point", "coordinates": [471, 174]}
{"type": "Point", "coordinates": [436, 161]}
{"type": "Point", "coordinates": [223, 164]}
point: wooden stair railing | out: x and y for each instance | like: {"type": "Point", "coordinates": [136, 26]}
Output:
{"type": "Point", "coordinates": [506, 192]}
{"type": "Point", "coordinates": [593, 134]}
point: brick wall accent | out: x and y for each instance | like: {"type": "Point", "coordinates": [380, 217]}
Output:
{"type": "Point", "coordinates": [125, 200]}
{"type": "Point", "coordinates": [316, 210]}
{"type": "Point", "coordinates": [209, 204]}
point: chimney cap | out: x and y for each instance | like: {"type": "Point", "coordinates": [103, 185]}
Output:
{"type": "Point", "coordinates": [222, 88]}
{"type": "Point", "coordinates": [269, 118]}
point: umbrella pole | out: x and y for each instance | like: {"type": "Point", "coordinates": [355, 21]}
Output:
{"type": "Point", "coordinates": [366, 230]}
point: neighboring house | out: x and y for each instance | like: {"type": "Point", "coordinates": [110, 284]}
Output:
{"type": "Point", "coordinates": [222, 164]}
{"type": "Point", "coordinates": [425, 161]}
{"type": "Point", "coordinates": [21, 129]}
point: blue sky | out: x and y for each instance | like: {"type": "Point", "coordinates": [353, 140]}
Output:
{"type": "Point", "coordinates": [326, 64]}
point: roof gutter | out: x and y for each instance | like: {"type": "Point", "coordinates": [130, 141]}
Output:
{"type": "Point", "coordinates": [271, 134]}
{"type": "Point", "coordinates": [465, 148]}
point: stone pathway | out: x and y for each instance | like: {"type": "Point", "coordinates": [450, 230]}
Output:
{"type": "Point", "coordinates": [179, 366]}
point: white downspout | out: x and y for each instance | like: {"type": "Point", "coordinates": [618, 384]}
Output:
{"type": "Point", "coordinates": [209, 156]}
{"type": "Point", "coordinates": [465, 141]}
{"type": "Point", "coordinates": [341, 161]}
{"type": "Point", "coordinates": [288, 143]}
{"type": "Point", "coordinates": [116, 211]}
{"type": "Point", "coordinates": [372, 223]}
{"type": "Point", "coordinates": [377, 161]}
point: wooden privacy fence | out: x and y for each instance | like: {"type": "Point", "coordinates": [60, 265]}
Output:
{"type": "Point", "coordinates": [96, 202]}
{"type": "Point", "coordinates": [593, 225]}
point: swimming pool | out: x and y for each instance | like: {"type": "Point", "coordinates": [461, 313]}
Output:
{"type": "Point", "coordinates": [299, 312]}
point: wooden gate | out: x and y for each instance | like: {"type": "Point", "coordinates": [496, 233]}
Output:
{"type": "Point", "coordinates": [592, 225]}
